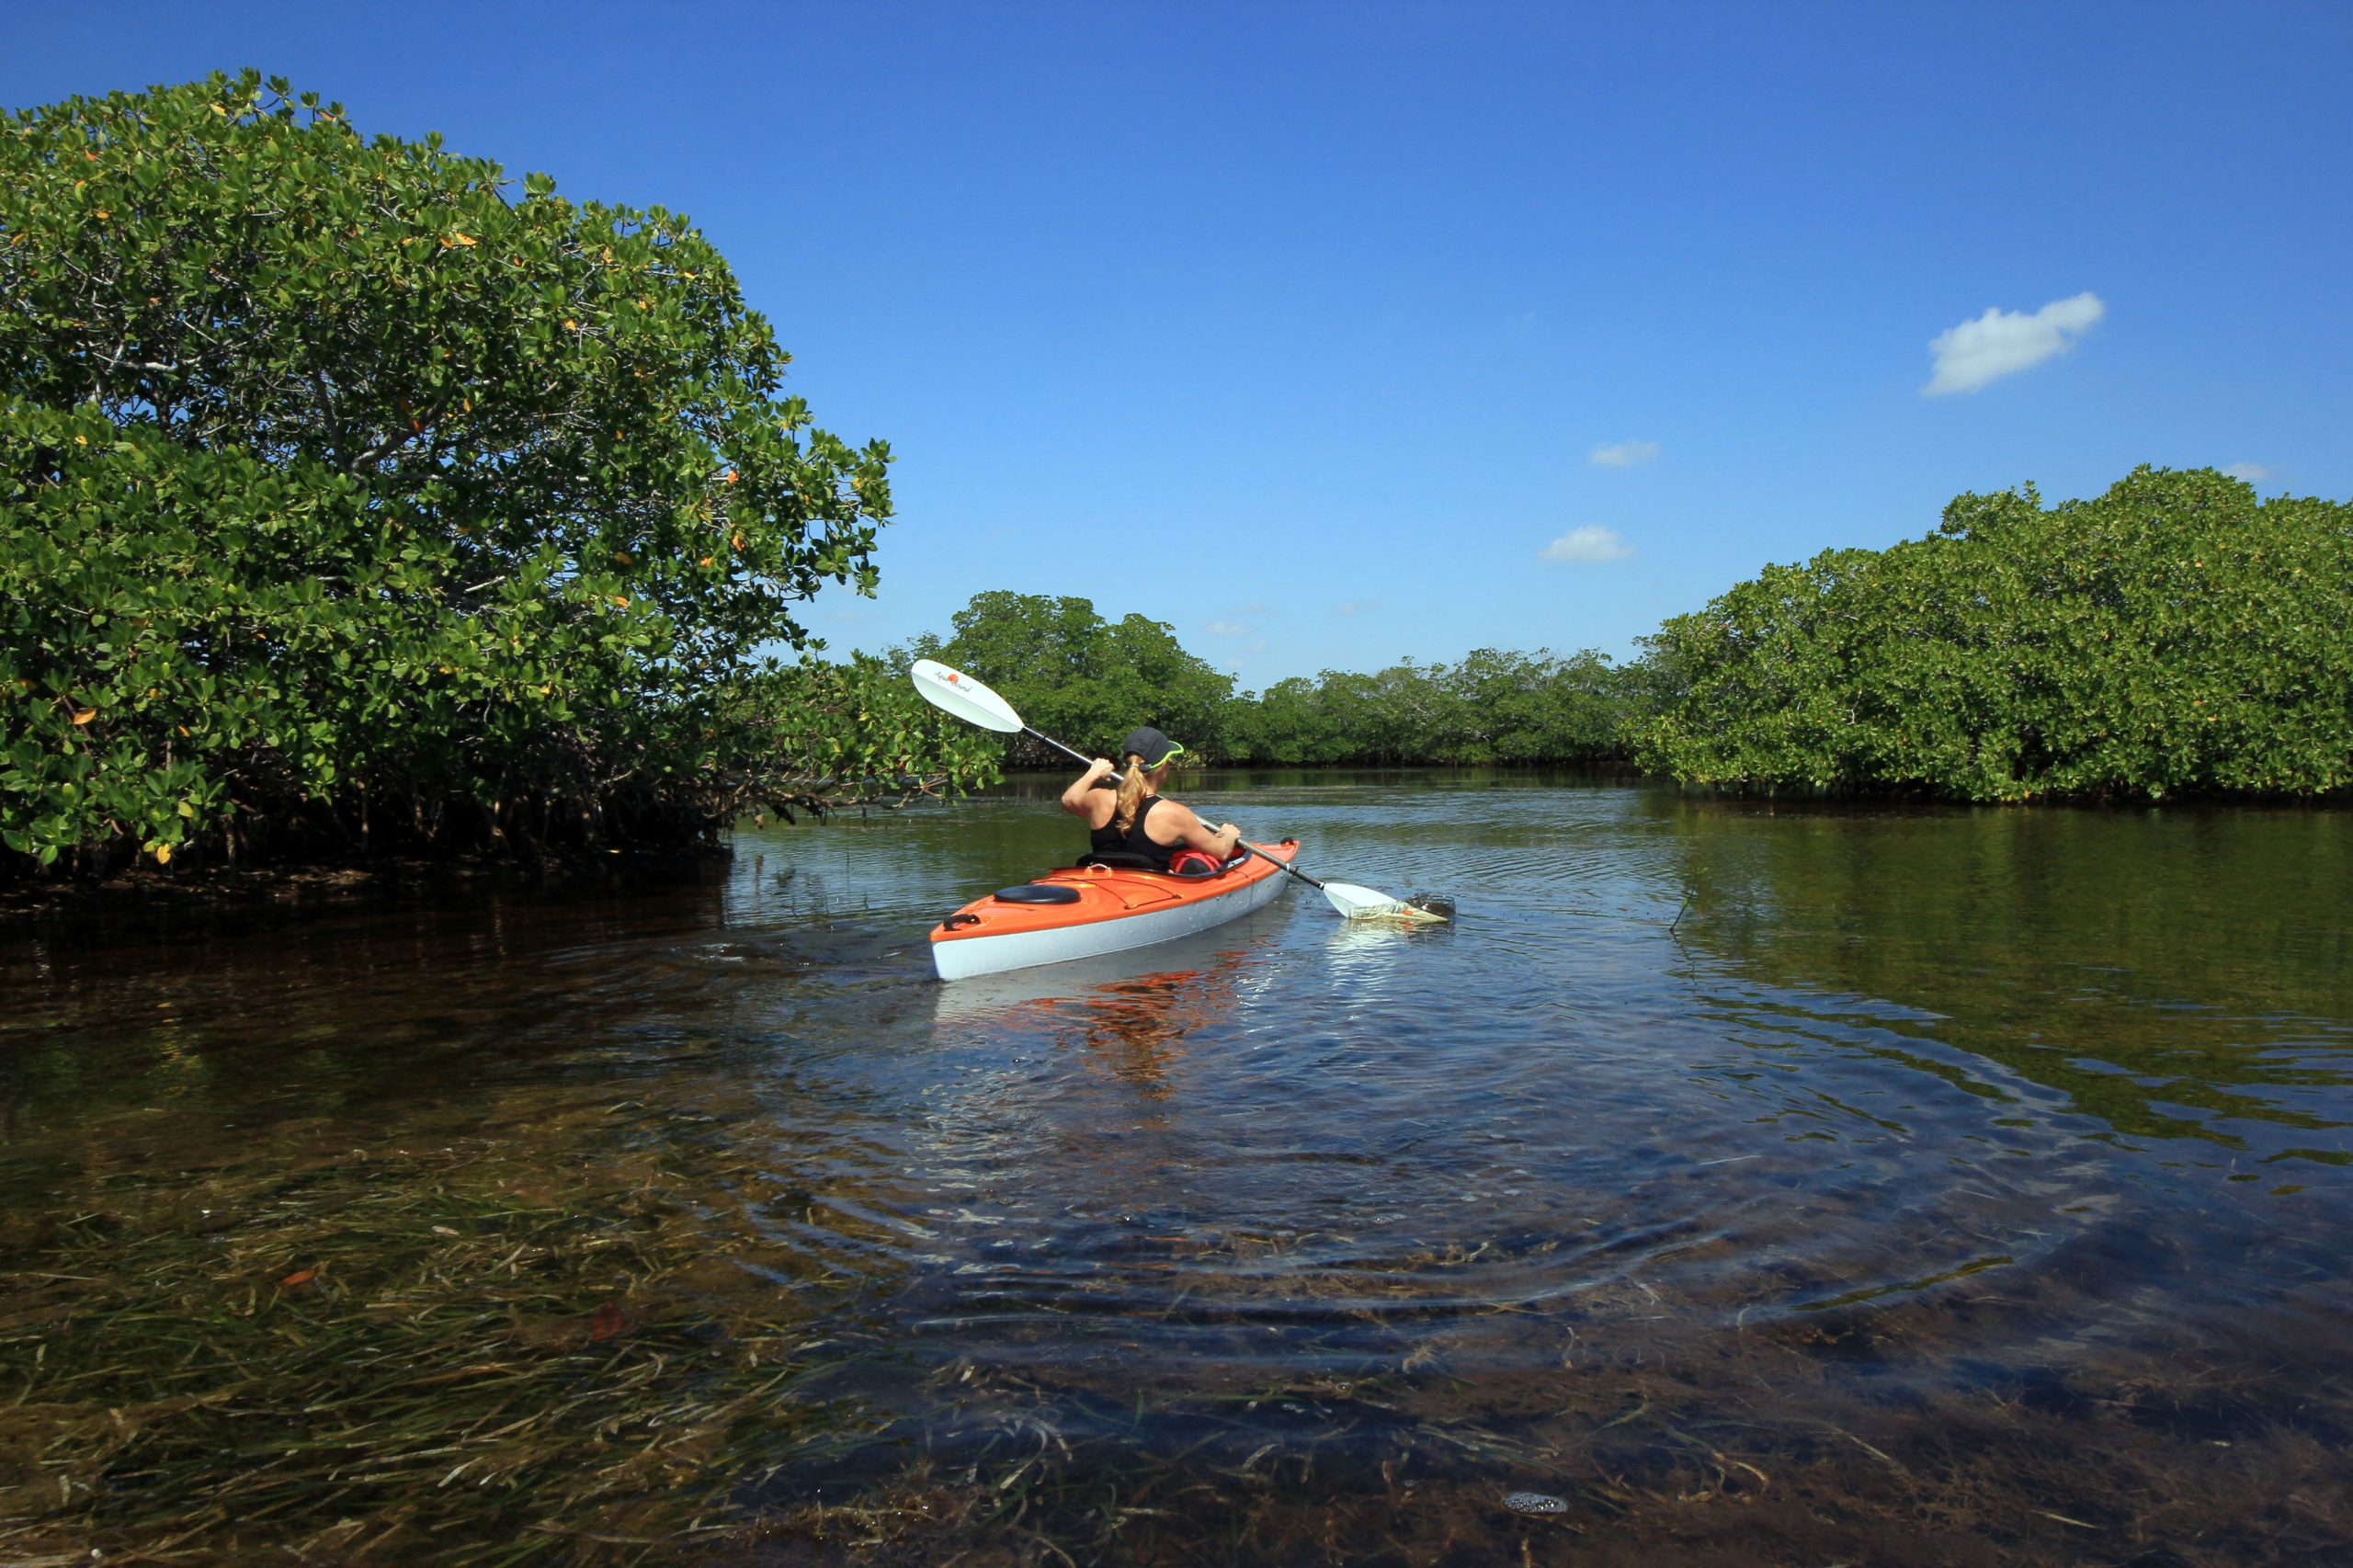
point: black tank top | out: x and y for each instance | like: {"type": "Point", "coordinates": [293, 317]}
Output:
{"type": "Point", "coordinates": [1109, 840]}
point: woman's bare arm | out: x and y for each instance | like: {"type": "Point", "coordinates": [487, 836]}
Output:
{"type": "Point", "coordinates": [1075, 800]}
{"type": "Point", "coordinates": [1195, 833]}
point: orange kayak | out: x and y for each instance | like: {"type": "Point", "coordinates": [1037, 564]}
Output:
{"type": "Point", "coordinates": [1087, 910]}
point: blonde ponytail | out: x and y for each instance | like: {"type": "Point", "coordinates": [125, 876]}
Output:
{"type": "Point", "coordinates": [1131, 793]}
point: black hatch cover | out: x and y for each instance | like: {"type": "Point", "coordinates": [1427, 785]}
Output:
{"type": "Point", "coordinates": [1037, 892]}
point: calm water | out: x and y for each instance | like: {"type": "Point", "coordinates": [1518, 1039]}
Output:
{"type": "Point", "coordinates": [1946, 1185]}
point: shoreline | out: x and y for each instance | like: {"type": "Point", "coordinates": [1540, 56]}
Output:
{"type": "Point", "coordinates": [144, 893]}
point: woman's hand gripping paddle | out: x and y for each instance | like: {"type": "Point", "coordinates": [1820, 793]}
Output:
{"type": "Point", "coordinates": [956, 692]}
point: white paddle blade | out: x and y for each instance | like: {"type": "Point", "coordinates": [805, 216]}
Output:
{"type": "Point", "coordinates": [958, 693]}
{"type": "Point", "coordinates": [1364, 904]}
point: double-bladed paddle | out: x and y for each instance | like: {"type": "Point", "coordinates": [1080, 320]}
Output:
{"type": "Point", "coordinates": [956, 692]}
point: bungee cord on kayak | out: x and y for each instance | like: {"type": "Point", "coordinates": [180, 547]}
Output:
{"type": "Point", "coordinates": [1101, 906]}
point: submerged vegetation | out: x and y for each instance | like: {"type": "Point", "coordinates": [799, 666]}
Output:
{"type": "Point", "coordinates": [1923, 1196]}
{"type": "Point", "coordinates": [390, 1356]}
{"type": "Point", "coordinates": [556, 1348]}
{"type": "Point", "coordinates": [672, 1229]}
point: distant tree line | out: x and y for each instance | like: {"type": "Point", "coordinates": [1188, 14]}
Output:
{"type": "Point", "coordinates": [1088, 681]}
{"type": "Point", "coordinates": [2173, 637]}
{"type": "Point", "coordinates": [1495, 706]}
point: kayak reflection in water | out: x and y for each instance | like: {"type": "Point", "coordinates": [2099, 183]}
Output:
{"type": "Point", "coordinates": [1135, 1028]}
{"type": "Point", "coordinates": [1137, 820]}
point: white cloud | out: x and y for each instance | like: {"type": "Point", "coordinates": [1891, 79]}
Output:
{"type": "Point", "coordinates": [1228, 629]}
{"type": "Point", "coordinates": [1625, 454]}
{"type": "Point", "coordinates": [1592, 542]}
{"type": "Point", "coordinates": [1351, 608]}
{"type": "Point", "coordinates": [2252, 473]}
{"type": "Point", "coordinates": [2002, 343]}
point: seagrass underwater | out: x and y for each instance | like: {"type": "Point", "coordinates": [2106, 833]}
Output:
{"type": "Point", "coordinates": [514, 1050]}
{"type": "Point", "coordinates": [1925, 1191]}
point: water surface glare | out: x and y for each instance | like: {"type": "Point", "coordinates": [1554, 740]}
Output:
{"type": "Point", "coordinates": [1768, 1184]}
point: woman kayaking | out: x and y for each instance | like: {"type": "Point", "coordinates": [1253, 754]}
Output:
{"type": "Point", "coordinates": [1136, 819]}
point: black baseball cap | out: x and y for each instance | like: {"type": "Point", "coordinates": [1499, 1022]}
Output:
{"type": "Point", "coordinates": [1149, 745]}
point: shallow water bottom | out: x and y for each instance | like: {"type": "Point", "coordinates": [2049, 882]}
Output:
{"type": "Point", "coordinates": [1924, 1194]}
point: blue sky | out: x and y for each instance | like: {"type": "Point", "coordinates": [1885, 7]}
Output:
{"type": "Point", "coordinates": [1305, 328]}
